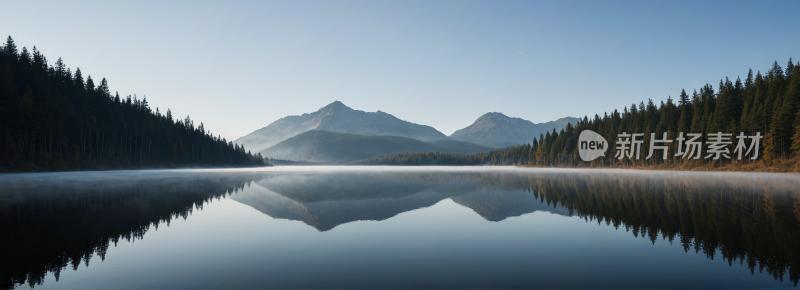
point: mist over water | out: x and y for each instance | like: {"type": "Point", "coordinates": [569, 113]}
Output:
{"type": "Point", "coordinates": [399, 227]}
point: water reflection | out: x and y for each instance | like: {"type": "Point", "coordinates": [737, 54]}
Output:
{"type": "Point", "coordinates": [325, 201]}
{"type": "Point", "coordinates": [54, 221]}
{"type": "Point", "coordinates": [61, 220]}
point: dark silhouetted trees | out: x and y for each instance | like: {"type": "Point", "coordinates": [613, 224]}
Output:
{"type": "Point", "coordinates": [53, 119]}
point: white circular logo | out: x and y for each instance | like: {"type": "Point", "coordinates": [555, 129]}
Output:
{"type": "Point", "coordinates": [591, 145]}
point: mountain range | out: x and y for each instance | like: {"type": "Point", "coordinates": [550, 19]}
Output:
{"type": "Point", "coordinates": [337, 133]}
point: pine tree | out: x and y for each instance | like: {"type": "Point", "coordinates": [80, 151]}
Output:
{"type": "Point", "coordinates": [697, 117]}
{"type": "Point", "coordinates": [60, 68]}
{"type": "Point", "coordinates": [774, 90]}
{"type": "Point", "coordinates": [784, 123]}
{"type": "Point", "coordinates": [89, 84]}
{"type": "Point", "coordinates": [770, 147]}
{"type": "Point", "coordinates": [25, 56]}
{"type": "Point", "coordinates": [10, 48]}
{"type": "Point", "coordinates": [684, 98]}
{"type": "Point", "coordinates": [103, 88]}
{"type": "Point", "coordinates": [758, 116]}
{"type": "Point", "coordinates": [78, 79]}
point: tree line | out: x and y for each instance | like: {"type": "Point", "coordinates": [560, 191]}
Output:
{"type": "Point", "coordinates": [56, 119]}
{"type": "Point", "coordinates": [426, 158]}
{"type": "Point", "coordinates": [765, 104]}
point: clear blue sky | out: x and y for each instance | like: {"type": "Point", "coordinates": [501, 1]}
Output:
{"type": "Point", "coordinates": [237, 66]}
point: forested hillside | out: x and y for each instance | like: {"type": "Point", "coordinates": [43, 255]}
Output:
{"type": "Point", "coordinates": [56, 119]}
{"type": "Point", "coordinates": [765, 103]}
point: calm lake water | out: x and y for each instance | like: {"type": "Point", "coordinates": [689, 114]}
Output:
{"type": "Point", "coordinates": [399, 227]}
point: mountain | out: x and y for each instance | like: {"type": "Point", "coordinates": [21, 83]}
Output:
{"type": "Point", "coordinates": [336, 117]}
{"type": "Point", "coordinates": [317, 145]}
{"type": "Point", "coordinates": [498, 130]}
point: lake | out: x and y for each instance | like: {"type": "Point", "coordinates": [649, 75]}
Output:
{"type": "Point", "coordinates": [399, 228]}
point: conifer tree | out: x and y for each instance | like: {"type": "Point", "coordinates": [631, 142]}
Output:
{"type": "Point", "coordinates": [103, 88]}
{"type": "Point", "coordinates": [697, 117]}
{"type": "Point", "coordinates": [89, 84]}
{"type": "Point", "coordinates": [684, 98]}
{"type": "Point", "coordinates": [10, 48]}
{"type": "Point", "coordinates": [78, 79]}
{"type": "Point", "coordinates": [683, 121]}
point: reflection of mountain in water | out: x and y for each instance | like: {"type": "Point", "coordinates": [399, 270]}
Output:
{"type": "Point", "coordinates": [325, 215]}
{"type": "Point", "coordinates": [325, 201]}
{"type": "Point", "coordinates": [498, 204]}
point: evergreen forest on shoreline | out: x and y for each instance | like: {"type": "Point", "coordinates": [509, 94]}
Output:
{"type": "Point", "coordinates": [54, 119]}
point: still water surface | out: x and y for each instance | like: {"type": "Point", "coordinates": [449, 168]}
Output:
{"type": "Point", "coordinates": [399, 227]}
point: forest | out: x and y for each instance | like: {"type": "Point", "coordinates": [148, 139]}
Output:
{"type": "Point", "coordinates": [765, 104]}
{"type": "Point", "coordinates": [55, 119]}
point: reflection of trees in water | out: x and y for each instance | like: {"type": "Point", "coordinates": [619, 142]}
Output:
{"type": "Point", "coordinates": [747, 220]}
{"type": "Point", "coordinates": [51, 225]}
{"type": "Point", "coordinates": [753, 220]}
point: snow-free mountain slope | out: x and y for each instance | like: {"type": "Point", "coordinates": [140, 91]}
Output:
{"type": "Point", "coordinates": [498, 130]}
{"type": "Point", "coordinates": [333, 147]}
{"type": "Point", "coordinates": [336, 117]}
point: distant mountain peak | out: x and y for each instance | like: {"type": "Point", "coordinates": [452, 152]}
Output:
{"type": "Point", "coordinates": [495, 129]}
{"type": "Point", "coordinates": [494, 114]}
{"type": "Point", "coordinates": [335, 106]}
{"type": "Point", "coordinates": [497, 116]}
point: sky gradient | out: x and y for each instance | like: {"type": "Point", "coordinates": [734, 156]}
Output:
{"type": "Point", "coordinates": [237, 66]}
